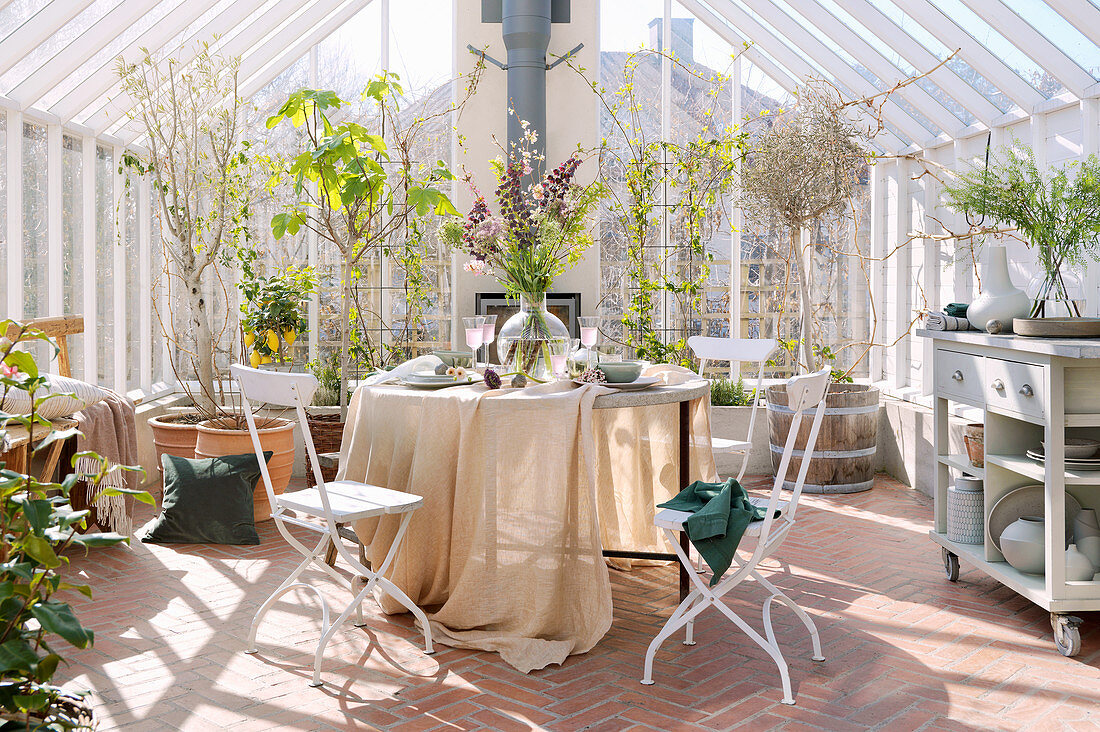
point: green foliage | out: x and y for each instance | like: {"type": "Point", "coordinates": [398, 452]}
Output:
{"type": "Point", "coordinates": [276, 303]}
{"type": "Point", "coordinates": [38, 526]}
{"type": "Point", "coordinates": [1057, 215]}
{"type": "Point", "coordinates": [729, 393]}
{"type": "Point", "coordinates": [698, 176]}
{"type": "Point", "coordinates": [327, 371]}
{"type": "Point", "coordinates": [826, 354]}
{"type": "Point", "coordinates": [356, 191]}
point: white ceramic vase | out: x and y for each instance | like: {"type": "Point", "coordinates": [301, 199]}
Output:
{"type": "Point", "coordinates": [999, 300]}
{"type": "Point", "coordinates": [1086, 534]}
{"type": "Point", "coordinates": [1022, 543]}
{"type": "Point", "coordinates": [1078, 566]}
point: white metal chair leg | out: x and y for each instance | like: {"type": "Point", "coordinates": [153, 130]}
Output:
{"type": "Point", "coordinates": [770, 648]}
{"type": "Point", "coordinates": [778, 594]}
{"type": "Point", "coordinates": [686, 608]}
{"type": "Point", "coordinates": [329, 630]}
{"type": "Point", "coordinates": [287, 584]}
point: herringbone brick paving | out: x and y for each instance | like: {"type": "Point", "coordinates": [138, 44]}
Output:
{"type": "Point", "coordinates": [906, 650]}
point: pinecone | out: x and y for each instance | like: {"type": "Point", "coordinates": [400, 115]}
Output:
{"type": "Point", "coordinates": [519, 381]}
{"type": "Point", "coordinates": [492, 379]}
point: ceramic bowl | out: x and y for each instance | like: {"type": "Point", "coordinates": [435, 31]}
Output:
{"type": "Point", "coordinates": [621, 372]}
{"type": "Point", "coordinates": [454, 358]}
{"type": "Point", "coordinates": [1079, 447]}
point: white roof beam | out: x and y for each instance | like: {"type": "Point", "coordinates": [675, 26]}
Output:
{"type": "Point", "coordinates": [113, 115]}
{"type": "Point", "coordinates": [183, 52]}
{"type": "Point", "coordinates": [722, 29]}
{"type": "Point", "coordinates": [1084, 16]}
{"type": "Point", "coordinates": [36, 29]}
{"type": "Point", "coordinates": [810, 45]}
{"type": "Point", "coordinates": [878, 64]}
{"type": "Point", "coordinates": [984, 61]}
{"type": "Point", "coordinates": [100, 81]}
{"type": "Point", "coordinates": [259, 70]}
{"type": "Point", "coordinates": [921, 58]}
{"type": "Point", "coordinates": [782, 52]}
{"type": "Point", "coordinates": [74, 54]}
{"type": "Point", "coordinates": [1033, 44]}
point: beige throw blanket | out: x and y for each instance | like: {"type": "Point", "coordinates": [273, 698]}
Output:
{"type": "Point", "coordinates": [109, 428]}
{"type": "Point", "coordinates": [506, 548]}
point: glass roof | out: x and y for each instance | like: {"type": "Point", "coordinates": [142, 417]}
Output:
{"type": "Point", "coordinates": [856, 44]}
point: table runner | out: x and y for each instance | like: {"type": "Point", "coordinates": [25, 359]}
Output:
{"type": "Point", "coordinates": [505, 552]}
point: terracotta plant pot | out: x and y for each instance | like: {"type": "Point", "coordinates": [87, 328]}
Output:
{"type": "Point", "coordinates": [974, 439]}
{"type": "Point", "coordinates": [277, 436]}
{"type": "Point", "coordinates": [174, 435]}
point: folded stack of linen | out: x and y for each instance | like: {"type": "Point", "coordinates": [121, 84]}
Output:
{"type": "Point", "coordinates": [953, 317]}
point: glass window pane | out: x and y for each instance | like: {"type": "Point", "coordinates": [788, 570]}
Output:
{"type": "Point", "coordinates": [35, 242]}
{"type": "Point", "coordinates": [72, 255]}
{"type": "Point", "coordinates": [1060, 32]}
{"type": "Point", "coordinates": [103, 323]}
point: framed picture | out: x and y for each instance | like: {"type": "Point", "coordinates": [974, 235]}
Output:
{"type": "Point", "coordinates": [565, 305]}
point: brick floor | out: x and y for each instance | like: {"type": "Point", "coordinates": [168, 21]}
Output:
{"type": "Point", "coordinates": [906, 649]}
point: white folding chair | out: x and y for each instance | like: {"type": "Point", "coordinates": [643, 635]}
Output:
{"type": "Point", "coordinates": [754, 350]}
{"type": "Point", "coordinates": [336, 502]}
{"type": "Point", "coordinates": [804, 393]}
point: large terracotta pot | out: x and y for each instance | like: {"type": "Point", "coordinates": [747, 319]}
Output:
{"type": "Point", "coordinates": [174, 435]}
{"type": "Point", "coordinates": [277, 436]}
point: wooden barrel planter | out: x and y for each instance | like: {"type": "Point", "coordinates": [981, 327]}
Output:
{"type": "Point", "coordinates": [843, 460]}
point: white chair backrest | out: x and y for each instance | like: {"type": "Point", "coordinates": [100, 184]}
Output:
{"type": "Point", "coordinates": [710, 348]}
{"type": "Point", "coordinates": [806, 395]}
{"type": "Point", "coordinates": [274, 387]}
{"type": "Point", "coordinates": [284, 390]}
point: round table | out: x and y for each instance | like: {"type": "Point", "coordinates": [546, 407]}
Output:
{"type": "Point", "coordinates": [677, 393]}
{"type": "Point", "coordinates": [523, 490]}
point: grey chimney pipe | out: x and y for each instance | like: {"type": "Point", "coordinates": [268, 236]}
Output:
{"type": "Point", "coordinates": [526, 29]}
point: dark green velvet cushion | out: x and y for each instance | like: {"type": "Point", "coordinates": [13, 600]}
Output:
{"type": "Point", "coordinates": [207, 501]}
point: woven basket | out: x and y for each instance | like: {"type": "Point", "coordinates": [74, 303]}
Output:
{"type": "Point", "coordinates": [327, 430]}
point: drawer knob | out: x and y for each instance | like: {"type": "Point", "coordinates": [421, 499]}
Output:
{"type": "Point", "coordinates": [998, 385]}
{"type": "Point", "coordinates": [1027, 391]}
{"type": "Point", "coordinates": [957, 376]}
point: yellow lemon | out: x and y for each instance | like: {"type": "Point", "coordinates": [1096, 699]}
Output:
{"type": "Point", "coordinates": [254, 359]}
{"type": "Point", "coordinates": [272, 340]}
{"type": "Point", "coordinates": [290, 335]}
{"type": "Point", "coordinates": [249, 338]}
{"type": "Point", "coordinates": [265, 359]}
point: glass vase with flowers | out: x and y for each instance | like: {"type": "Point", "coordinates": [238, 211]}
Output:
{"type": "Point", "coordinates": [537, 232]}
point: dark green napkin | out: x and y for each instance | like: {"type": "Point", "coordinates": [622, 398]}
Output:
{"type": "Point", "coordinates": [720, 514]}
{"type": "Point", "coordinates": [956, 310]}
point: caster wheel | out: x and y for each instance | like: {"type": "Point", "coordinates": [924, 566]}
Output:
{"type": "Point", "coordinates": [951, 565]}
{"type": "Point", "coordinates": [1067, 634]}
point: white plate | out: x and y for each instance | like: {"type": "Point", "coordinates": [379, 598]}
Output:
{"type": "Point", "coordinates": [1024, 501]}
{"type": "Point", "coordinates": [1076, 463]}
{"type": "Point", "coordinates": [642, 382]}
{"type": "Point", "coordinates": [437, 381]}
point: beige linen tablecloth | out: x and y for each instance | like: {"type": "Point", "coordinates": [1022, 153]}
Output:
{"type": "Point", "coordinates": [505, 552]}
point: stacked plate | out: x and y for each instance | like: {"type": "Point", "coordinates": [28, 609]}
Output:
{"type": "Point", "coordinates": [1092, 463]}
{"type": "Point", "coordinates": [436, 381]}
{"type": "Point", "coordinates": [642, 382]}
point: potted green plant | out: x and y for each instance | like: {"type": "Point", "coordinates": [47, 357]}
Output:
{"type": "Point", "coordinates": [826, 149]}
{"type": "Point", "coordinates": [1056, 213]}
{"type": "Point", "coordinates": [274, 311]}
{"type": "Point", "coordinates": [40, 526]}
{"type": "Point", "coordinates": [730, 415]}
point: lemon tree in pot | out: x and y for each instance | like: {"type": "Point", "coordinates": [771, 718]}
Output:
{"type": "Point", "coordinates": [273, 314]}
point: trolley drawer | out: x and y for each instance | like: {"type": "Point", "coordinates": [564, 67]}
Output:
{"type": "Point", "coordinates": [1016, 387]}
{"type": "Point", "coordinates": [960, 376]}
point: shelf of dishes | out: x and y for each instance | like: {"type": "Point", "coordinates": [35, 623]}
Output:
{"type": "Point", "coordinates": [1075, 473]}
{"type": "Point", "coordinates": [1031, 586]}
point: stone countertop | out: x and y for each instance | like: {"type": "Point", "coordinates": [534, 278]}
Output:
{"type": "Point", "coordinates": [654, 395]}
{"type": "Point", "coordinates": [1061, 347]}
